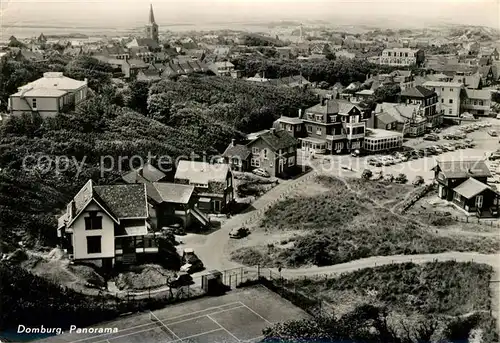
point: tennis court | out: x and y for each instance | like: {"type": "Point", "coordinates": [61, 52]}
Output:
{"type": "Point", "coordinates": [238, 316]}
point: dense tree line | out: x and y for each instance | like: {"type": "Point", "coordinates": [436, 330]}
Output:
{"type": "Point", "coordinates": [340, 70]}
{"type": "Point", "coordinates": [32, 301]}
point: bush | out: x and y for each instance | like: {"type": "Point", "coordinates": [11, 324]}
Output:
{"type": "Point", "coordinates": [401, 178]}
{"type": "Point", "coordinates": [419, 180]}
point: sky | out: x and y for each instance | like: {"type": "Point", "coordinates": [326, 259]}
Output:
{"type": "Point", "coordinates": [133, 13]}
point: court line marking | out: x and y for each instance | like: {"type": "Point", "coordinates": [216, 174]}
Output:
{"type": "Point", "coordinates": [255, 313]}
{"type": "Point", "coordinates": [255, 339]}
{"type": "Point", "coordinates": [166, 327]}
{"type": "Point", "coordinates": [147, 324]}
{"type": "Point", "coordinates": [205, 315]}
{"type": "Point", "coordinates": [197, 335]}
{"type": "Point", "coordinates": [180, 321]}
{"type": "Point", "coordinates": [216, 322]}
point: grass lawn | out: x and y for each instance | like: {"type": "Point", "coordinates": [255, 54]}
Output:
{"type": "Point", "coordinates": [341, 226]}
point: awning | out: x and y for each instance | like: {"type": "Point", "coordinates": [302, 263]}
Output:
{"type": "Point", "coordinates": [136, 230]}
{"type": "Point", "coordinates": [204, 199]}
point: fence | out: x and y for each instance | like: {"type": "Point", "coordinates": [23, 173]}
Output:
{"type": "Point", "coordinates": [289, 290]}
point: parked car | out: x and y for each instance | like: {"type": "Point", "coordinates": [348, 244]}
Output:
{"type": "Point", "coordinates": [438, 149]}
{"type": "Point", "coordinates": [239, 232]}
{"type": "Point", "coordinates": [494, 156]}
{"type": "Point", "coordinates": [492, 133]}
{"type": "Point", "coordinates": [431, 137]}
{"type": "Point", "coordinates": [261, 172]}
{"type": "Point", "coordinates": [192, 263]}
{"type": "Point", "coordinates": [181, 279]}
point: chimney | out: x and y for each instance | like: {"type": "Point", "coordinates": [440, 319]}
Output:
{"type": "Point", "coordinates": [323, 101]}
{"type": "Point", "coordinates": [71, 209]}
{"type": "Point", "coordinates": [233, 141]}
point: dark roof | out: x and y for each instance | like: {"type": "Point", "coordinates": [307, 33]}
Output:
{"type": "Point", "coordinates": [464, 169]}
{"type": "Point", "coordinates": [418, 92]}
{"type": "Point", "coordinates": [278, 139]}
{"type": "Point", "coordinates": [150, 43]}
{"type": "Point", "coordinates": [174, 192]}
{"type": "Point", "coordinates": [385, 118]}
{"type": "Point", "coordinates": [333, 106]}
{"type": "Point", "coordinates": [125, 201]}
{"type": "Point", "coordinates": [471, 188]}
{"type": "Point", "coordinates": [148, 172]}
{"type": "Point", "coordinates": [237, 150]}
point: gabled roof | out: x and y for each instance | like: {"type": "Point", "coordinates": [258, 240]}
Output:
{"type": "Point", "coordinates": [238, 150]}
{"type": "Point", "coordinates": [334, 106]}
{"type": "Point", "coordinates": [418, 92]}
{"type": "Point", "coordinates": [148, 172]}
{"type": "Point", "coordinates": [471, 188]}
{"type": "Point", "coordinates": [277, 139]}
{"type": "Point", "coordinates": [174, 192]}
{"type": "Point", "coordinates": [125, 201]}
{"type": "Point", "coordinates": [201, 172]}
{"type": "Point", "coordinates": [385, 118]}
{"type": "Point", "coordinates": [480, 94]}
{"type": "Point", "coordinates": [463, 168]}
{"type": "Point", "coordinates": [118, 201]}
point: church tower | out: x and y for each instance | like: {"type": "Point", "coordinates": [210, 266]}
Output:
{"type": "Point", "coordinates": [152, 27]}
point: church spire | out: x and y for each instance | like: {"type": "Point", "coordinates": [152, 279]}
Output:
{"type": "Point", "coordinates": [151, 15]}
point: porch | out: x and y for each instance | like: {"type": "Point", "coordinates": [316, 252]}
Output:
{"type": "Point", "coordinates": [144, 244]}
{"type": "Point", "coordinates": [313, 145]}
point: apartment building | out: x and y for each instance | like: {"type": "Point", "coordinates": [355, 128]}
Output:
{"type": "Point", "coordinates": [404, 57]}
{"type": "Point", "coordinates": [449, 94]}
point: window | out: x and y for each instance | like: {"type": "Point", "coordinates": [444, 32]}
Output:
{"type": "Point", "coordinates": [442, 101]}
{"type": "Point", "coordinates": [264, 153]}
{"type": "Point", "coordinates": [291, 161]}
{"type": "Point", "coordinates": [298, 128]}
{"type": "Point", "coordinates": [450, 101]}
{"type": "Point", "coordinates": [289, 128]}
{"type": "Point", "coordinates": [479, 201]}
{"type": "Point", "coordinates": [480, 102]}
{"type": "Point", "coordinates": [319, 117]}
{"type": "Point", "coordinates": [309, 129]}
{"type": "Point", "coordinates": [93, 222]}
{"type": "Point", "coordinates": [255, 162]}
{"type": "Point", "coordinates": [450, 111]}
{"type": "Point", "coordinates": [339, 146]}
{"type": "Point", "coordinates": [456, 196]}
{"type": "Point", "coordinates": [442, 89]}
{"type": "Point", "coordinates": [319, 131]}
{"type": "Point", "coordinates": [451, 89]}
{"type": "Point", "coordinates": [199, 185]}
{"type": "Point", "coordinates": [93, 244]}
{"type": "Point", "coordinates": [33, 103]}
{"type": "Point", "coordinates": [255, 150]}
{"type": "Point", "coordinates": [333, 119]}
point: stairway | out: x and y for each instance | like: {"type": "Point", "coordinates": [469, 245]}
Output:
{"type": "Point", "coordinates": [200, 216]}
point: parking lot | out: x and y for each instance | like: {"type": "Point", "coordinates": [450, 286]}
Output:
{"type": "Point", "coordinates": [472, 141]}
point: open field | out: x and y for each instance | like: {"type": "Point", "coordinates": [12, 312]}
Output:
{"type": "Point", "coordinates": [411, 292]}
{"type": "Point", "coordinates": [345, 224]}
{"type": "Point", "coordinates": [239, 316]}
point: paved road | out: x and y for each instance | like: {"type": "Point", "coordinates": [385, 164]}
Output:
{"type": "Point", "coordinates": [212, 250]}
